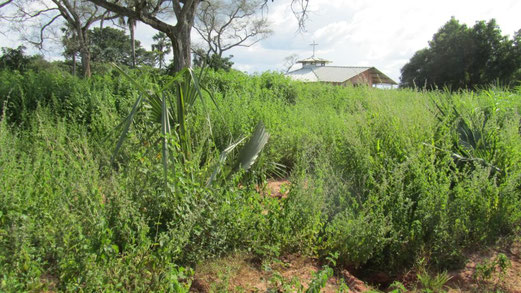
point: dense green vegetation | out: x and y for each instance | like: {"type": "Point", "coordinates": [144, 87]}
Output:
{"type": "Point", "coordinates": [461, 57]}
{"type": "Point", "coordinates": [113, 45]}
{"type": "Point", "coordinates": [382, 178]}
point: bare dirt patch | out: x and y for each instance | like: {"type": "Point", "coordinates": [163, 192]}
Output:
{"type": "Point", "coordinates": [278, 188]}
{"type": "Point", "coordinates": [470, 278]}
{"type": "Point", "coordinates": [49, 282]}
{"type": "Point", "coordinates": [292, 273]}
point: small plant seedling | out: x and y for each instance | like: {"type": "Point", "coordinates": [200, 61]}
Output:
{"type": "Point", "coordinates": [487, 270]}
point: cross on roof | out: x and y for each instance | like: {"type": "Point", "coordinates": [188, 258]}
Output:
{"type": "Point", "coordinates": [314, 45]}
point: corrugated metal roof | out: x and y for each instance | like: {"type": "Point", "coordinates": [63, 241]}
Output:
{"type": "Point", "coordinates": [326, 73]}
{"type": "Point", "coordinates": [303, 74]}
{"type": "Point", "coordinates": [338, 73]}
{"type": "Point", "coordinates": [335, 74]}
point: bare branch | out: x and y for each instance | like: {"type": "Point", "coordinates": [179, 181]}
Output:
{"type": "Point", "coordinates": [289, 61]}
{"type": "Point", "coordinates": [78, 16]}
{"type": "Point", "coordinates": [38, 13]}
{"type": "Point", "coordinates": [70, 9]}
{"type": "Point", "coordinates": [129, 12]}
{"type": "Point", "coordinates": [148, 13]}
{"type": "Point", "coordinates": [300, 10]}
{"type": "Point", "coordinates": [187, 7]}
{"type": "Point", "coordinates": [39, 44]}
{"type": "Point", "coordinates": [177, 8]}
{"type": "Point", "coordinates": [224, 25]}
{"type": "Point", "coordinates": [100, 17]}
{"type": "Point", "coordinates": [5, 3]}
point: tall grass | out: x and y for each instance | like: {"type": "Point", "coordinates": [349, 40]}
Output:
{"type": "Point", "coordinates": [380, 177]}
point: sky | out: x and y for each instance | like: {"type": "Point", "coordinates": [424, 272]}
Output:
{"type": "Point", "coordinates": [379, 33]}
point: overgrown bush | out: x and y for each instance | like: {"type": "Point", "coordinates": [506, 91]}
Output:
{"type": "Point", "coordinates": [380, 178]}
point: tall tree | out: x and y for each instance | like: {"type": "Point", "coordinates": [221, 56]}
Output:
{"type": "Point", "coordinates": [161, 47]}
{"type": "Point", "coordinates": [492, 61]}
{"type": "Point", "coordinates": [225, 24]}
{"type": "Point", "coordinates": [157, 14]}
{"type": "Point", "coordinates": [515, 55]}
{"type": "Point", "coordinates": [213, 61]}
{"type": "Point", "coordinates": [462, 57]}
{"type": "Point", "coordinates": [14, 59]}
{"type": "Point", "coordinates": [130, 23]}
{"type": "Point", "coordinates": [79, 15]}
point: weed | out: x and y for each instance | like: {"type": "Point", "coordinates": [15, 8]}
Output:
{"type": "Point", "coordinates": [496, 268]}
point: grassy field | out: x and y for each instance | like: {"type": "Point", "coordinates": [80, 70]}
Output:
{"type": "Point", "coordinates": [380, 179]}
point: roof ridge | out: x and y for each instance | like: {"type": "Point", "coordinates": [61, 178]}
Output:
{"type": "Point", "coordinates": [348, 66]}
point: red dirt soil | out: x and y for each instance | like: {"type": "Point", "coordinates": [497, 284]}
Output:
{"type": "Point", "coordinates": [464, 280]}
{"type": "Point", "coordinates": [240, 274]}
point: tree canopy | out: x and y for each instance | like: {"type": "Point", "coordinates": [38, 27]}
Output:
{"type": "Point", "coordinates": [213, 61]}
{"type": "Point", "coordinates": [77, 15]}
{"type": "Point", "coordinates": [113, 45]}
{"type": "Point", "coordinates": [465, 57]}
{"type": "Point", "coordinates": [161, 48]}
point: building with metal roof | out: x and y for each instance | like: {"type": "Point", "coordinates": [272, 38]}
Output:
{"type": "Point", "coordinates": [315, 70]}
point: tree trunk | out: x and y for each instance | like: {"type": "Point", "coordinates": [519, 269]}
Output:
{"type": "Point", "coordinates": [85, 62]}
{"type": "Point", "coordinates": [74, 63]}
{"type": "Point", "coordinates": [85, 53]}
{"type": "Point", "coordinates": [132, 26]}
{"type": "Point", "coordinates": [181, 48]}
{"type": "Point", "coordinates": [180, 37]}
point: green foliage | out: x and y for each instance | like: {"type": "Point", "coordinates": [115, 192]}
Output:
{"type": "Point", "coordinates": [213, 61]}
{"type": "Point", "coordinates": [172, 108]}
{"type": "Point", "coordinates": [433, 284]}
{"type": "Point", "coordinates": [162, 47]}
{"type": "Point", "coordinates": [397, 287]}
{"type": "Point", "coordinates": [108, 44]}
{"type": "Point", "coordinates": [459, 57]}
{"type": "Point", "coordinates": [15, 59]}
{"type": "Point", "coordinates": [381, 178]}
{"type": "Point", "coordinates": [319, 279]}
{"type": "Point", "coordinates": [497, 267]}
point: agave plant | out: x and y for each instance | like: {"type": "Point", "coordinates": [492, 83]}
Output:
{"type": "Point", "coordinates": [170, 107]}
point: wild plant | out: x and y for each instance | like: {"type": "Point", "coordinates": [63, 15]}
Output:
{"type": "Point", "coordinates": [487, 270]}
{"type": "Point", "coordinates": [474, 140]}
{"type": "Point", "coordinates": [170, 109]}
